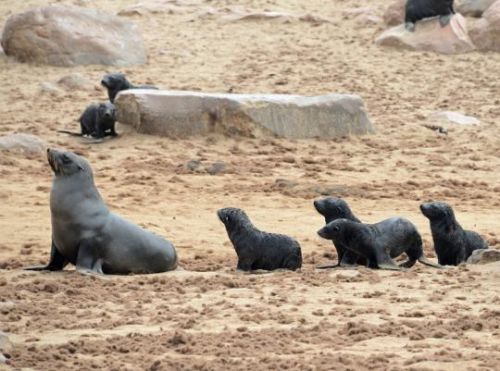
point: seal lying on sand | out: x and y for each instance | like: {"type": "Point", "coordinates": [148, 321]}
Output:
{"type": "Point", "coordinates": [257, 249]}
{"type": "Point", "coordinates": [452, 243]}
{"type": "Point", "coordinates": [332, 209]}
{"type": "Point", "coordinates": [98, 121]}
{"type": "Point", "coordinates": [416, 10]}
{"type": "Point", "coordinates": [116, 82]}
{"type": "Point", "coordinates": [379, 242]}
{"type": "Point", "coordinates": [86, 234]}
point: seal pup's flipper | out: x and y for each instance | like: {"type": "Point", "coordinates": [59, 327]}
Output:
{"type": "Point", "coordinates": [57, 262]}
{"type": "Point", "coordinates": [408, 263]}
{"type": "Point", "coordinates": [444, 20]}
{"type": "Point", "coordinates": [384, 261]}
{"type": "Point", "coordinates": [72, 133]}
{"type": "Point", "coordinates": [427, 262]}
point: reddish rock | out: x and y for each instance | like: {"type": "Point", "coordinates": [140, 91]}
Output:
{"type": "Point", "coordinates": [430, 36]}
{"type": "Point", "coordinates": [65, 36]}
{"type": "Point", "coordinates": [485, 33]}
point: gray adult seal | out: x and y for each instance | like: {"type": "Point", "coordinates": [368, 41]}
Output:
{"type": "Point", "coordinates": [85, 233]}
{"type": "Point", "coordinates": [379, 242]}
{"type": "Point", "coordinates": [256, 249]}
{"type": "Point", "coordinates": [453, 244]}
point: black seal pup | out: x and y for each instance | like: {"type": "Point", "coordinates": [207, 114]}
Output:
{"type": "Point", "coordinates": [116, 82]}
{"type": "Point", "coordinates": [379, 242]}
{"type": "Point", "coordinates": [86, 234]}
{"type": "Point", "coordinates": [452, 243]}
{"type": "Point", "coordinates": [416, 10]}
{"type": "Point", "coordinates": [333, 208]}
{"type": "Point", "coordinates": [98, 121]}
{"type": "Point", "coordinates": [257, 249]}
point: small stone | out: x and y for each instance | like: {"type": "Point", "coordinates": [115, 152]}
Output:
{"type": "Point", "coordinates": [216, 168]}
{"type": "Point", "coordinates": [22, 143]}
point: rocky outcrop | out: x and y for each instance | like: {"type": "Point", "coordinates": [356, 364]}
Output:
{"type": "Point", "coordinates": [182, 114]}
{"type": "Point", "coordinates": [485, 33]}
{"type": "Point", "coordinates": [430, 36]}
{"type": "Point", "coordinates": [64, 36]}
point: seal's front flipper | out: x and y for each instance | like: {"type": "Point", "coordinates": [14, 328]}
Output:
{"type": "Point", "coordinates": [444, 20]}
{"type": "Point", "coordinates": [88, 259]}
{"type": "Point", "coordinates": [410, 26]}
{"type": "Point", "coordinates": [57, 262]}
{"type": "Point", "coordinates": [384, 261]}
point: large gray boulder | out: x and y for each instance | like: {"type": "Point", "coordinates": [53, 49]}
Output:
{"type": "Point", "coordinates": [67, 35]}
{"type": "Point", "coordinates": [182, 114]}
{"type": "Point", "coordinates": [24, 143]}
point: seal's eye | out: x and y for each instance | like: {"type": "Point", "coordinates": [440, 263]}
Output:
{"type": "Point", "coordinates": [65, 159]}
{"type": "Point", "coordinates": [339, 209]}
{"type": "Point", "coordinates": [228, 218]}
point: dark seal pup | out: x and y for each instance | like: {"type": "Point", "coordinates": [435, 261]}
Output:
{"type": "Point", "coordinates": [116, 82]}
{"type": "Point", "coordinates": [379, 242]}
{"type": "Point", "coordinates": [332, 209]}
{"type": "Point", "coordinates": [452, 243]}
{"type": "Point", "coordinates": [257, 249]}
{"type": "Point", "coordinates": [98, 121]}
{"type": "Point", "coordinates": [86, 234]}
{"type": "Point", "coordinates": [416, 10]}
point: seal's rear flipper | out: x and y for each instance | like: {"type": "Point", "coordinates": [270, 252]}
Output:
{"type": "Point", "coordinates": [408, 264]}
{"type": "Point", "coordinates": [425, 261]}
{"type": "Point", "coordinates": [390, 267]}
{"type": "Point", "coordinates": [72, 133]}
{"type": "Point", "coordinates": [328, 266]}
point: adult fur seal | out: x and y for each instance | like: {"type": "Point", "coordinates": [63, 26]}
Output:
{"type": "Point", "coordinates": [86, 234]}
{"type": "Point", "coordinates": [416, 10]}
{"type": "Point", "coordinates": [379, 242]}
{"type": "Point", "coordinates": [116, 82]}
{"type": "Point", "coordinates": [98, 121]}
{"type": "Point", "coordinates": [257, 249]}
{"type": "Point", "coordinates": [333, 208]}
{"type": "Point", "coordinates": [452, 243]}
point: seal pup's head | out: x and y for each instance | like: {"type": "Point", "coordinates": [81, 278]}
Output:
{"type": "Point", "coordinates": [436, 211]}
{"type": "Point", "coordinates": [233, 217]}
{"type": "Point", "coordinates": [115, 81]}
{"type": "Point", "coordinates": [65, 163]}
{"type": "Point", "coordinates": [106, 110]}
{"type": "Point", "coordinates": [333, 208]}
{"type": "Point", "coordinates": [334, 229]}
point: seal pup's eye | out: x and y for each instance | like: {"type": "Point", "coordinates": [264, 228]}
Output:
{"type": "Point", "coordinates": [66, 159]}
{"type": "Point", "coordinates": [228, 218]}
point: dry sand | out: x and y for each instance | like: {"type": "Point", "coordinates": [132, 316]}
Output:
{"type": "Point", "coordinates": [207, 316]}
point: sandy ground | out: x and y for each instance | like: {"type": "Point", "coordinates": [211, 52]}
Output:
{"type": "Point", "coordinates": [206, 316]}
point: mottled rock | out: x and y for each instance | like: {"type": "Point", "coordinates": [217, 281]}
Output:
{"type": "Point", "coordinates": [74, 81]}
{"type": "Point", "coordinates": [183, 114]}
{"type": "Point", "coordinates": [430, 36]}
{"type": "Point", "coordinates": [485, 33]}
{"type": "Point", "coordinates": [67, 35]}
{"type": "Point", "coordinates": [216, 168]}
{"type": "Point", "coordinates": [22, 143]}
{"type": "Point", "coordinates": [454, 118]}
{"type": "Point", "coordinates": [49, 88]}
{"type": "Point", "coordinates": [473, 8]}
{"type": "Point", "coordinates": [395, 13]}
{"type": "Point", "coordinates": [484, 256]}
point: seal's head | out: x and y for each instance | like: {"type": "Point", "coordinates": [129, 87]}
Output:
{"type": "Point", "coordinates": [65, 163]}
{"type": "Point", "coordinates": [232, 217]}
{"type": "Point", "coordinates": [114, 81]}
{"type": "Point", "coordinates": [332, 208]}
{"type": "Point", "coordinates": [333, 229]}
{"type": "Point", "coordinates": [106, 110]}
{"type": "Point", "coordinates": [437, 211]}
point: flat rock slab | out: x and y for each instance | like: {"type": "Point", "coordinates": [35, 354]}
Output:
{"type": "Point", "coordinates": [484, 256]}
{"type": "Point", "coordinates": [182, 114]}
{"type": "Point", "coordinates": [430, 36]}
{"type": "Point", "coordinates": [25, 143]}
{"type": "Point", "coordinates": [454, 118]}
{"type": "Point", "coordinates": [68, 35]}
